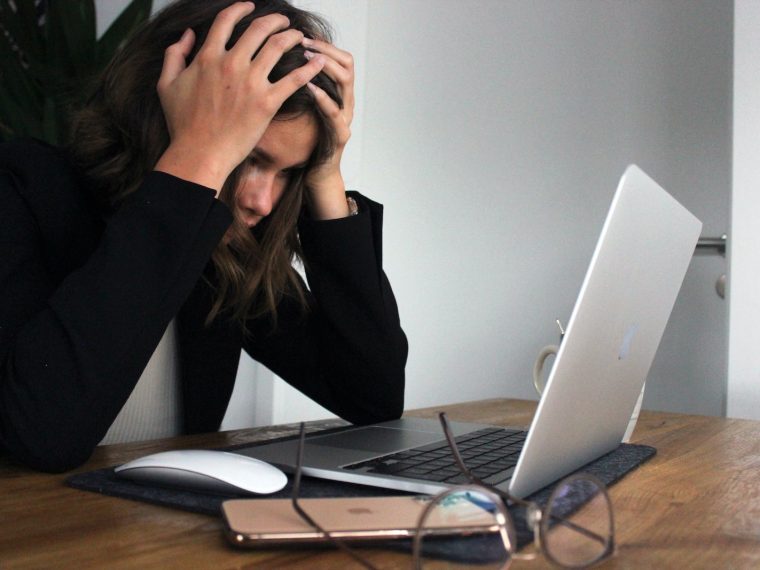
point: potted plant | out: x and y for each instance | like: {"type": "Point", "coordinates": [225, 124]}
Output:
{"type": "Point", "coordinates": [49, 52]}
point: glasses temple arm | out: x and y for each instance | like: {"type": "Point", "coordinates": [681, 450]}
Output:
{"type": "Point", "coordinates": [504, 495]}
{"type": "Point", "coordinates": [305, 516]}
{"type": "Point", "coordinates": [466, 470]}
{"type": "Point", "coordinates": [579, 529]}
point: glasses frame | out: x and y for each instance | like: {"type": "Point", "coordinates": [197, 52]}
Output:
{"type": "Point", "coordinates": [536, 516]}
{"type": "Point", "coordinates": [307, 518]}
{"type": "Point", "coordinates": [507, 531]}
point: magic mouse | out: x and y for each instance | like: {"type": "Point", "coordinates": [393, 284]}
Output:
{"type": "Point", "coordinates": [205, 471]}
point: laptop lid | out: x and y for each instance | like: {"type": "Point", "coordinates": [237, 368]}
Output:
{"type": "Point", "coordinates": [626, 298]}
{"type": "Point", "coordinates": [631, 285]}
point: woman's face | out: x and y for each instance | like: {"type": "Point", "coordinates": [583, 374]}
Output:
{"type": "Point", "coordinates": [284, 148]}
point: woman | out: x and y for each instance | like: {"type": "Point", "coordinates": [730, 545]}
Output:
{"type": "Point", "coordinates": [176, 214]}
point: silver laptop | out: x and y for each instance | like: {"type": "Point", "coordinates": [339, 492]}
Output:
{"type": "Point", "coordinates": [631, 285]}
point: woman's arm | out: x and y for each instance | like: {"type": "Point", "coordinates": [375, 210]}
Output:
{"type": "Point", "coordinates": [349, 352]}
{"type": "Point", "coordinates": [72, 350]}
{"type": "Point", "coordinates": [72, 346]}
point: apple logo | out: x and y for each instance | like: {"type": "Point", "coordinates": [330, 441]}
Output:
{"type": "Point", "coordinates": [625, 346]}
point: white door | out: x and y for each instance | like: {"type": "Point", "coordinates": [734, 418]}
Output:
{"type": "Point", "coordinates": [694, 163]}
{"type": "Point", "coordinates": [689, 373]}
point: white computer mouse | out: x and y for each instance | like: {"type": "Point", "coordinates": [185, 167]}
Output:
{"type": "Point", "coordinates": [206, 471]}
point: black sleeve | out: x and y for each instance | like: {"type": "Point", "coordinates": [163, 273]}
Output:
{"type": "Point", "coordinates": [72, 351]}
{"type": "Point", "coordinates": [348, 352]}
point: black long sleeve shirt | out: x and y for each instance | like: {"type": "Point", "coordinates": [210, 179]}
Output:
{"type": "Point", "coordinates": [84, 301]}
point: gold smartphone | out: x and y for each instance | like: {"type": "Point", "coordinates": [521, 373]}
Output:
{"type": "Point", "coordinates": [272, 522]}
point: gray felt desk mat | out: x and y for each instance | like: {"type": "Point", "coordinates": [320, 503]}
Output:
{"type": "Point", "coordinates": [610, 468]}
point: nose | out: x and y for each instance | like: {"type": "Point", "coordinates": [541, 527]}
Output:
{"type": "Point", "coordinates": [256, 196]}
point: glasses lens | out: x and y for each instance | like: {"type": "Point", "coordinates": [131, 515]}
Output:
{"type": "Point", "coordinates": [577, 526]}
{"type": "Point", "coordinates": [464, 528]}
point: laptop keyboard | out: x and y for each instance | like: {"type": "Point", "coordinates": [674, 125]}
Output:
{"type": "Point", "coordinates": [490, 453]}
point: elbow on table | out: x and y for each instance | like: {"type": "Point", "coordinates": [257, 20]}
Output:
{"type": "Point", "coordinates": [50, 454]}
{"type": "Point", "coordinates": [389, 404]}
{"type": "Point", "coordinates": [390, 408]}
{"type": "Point", "coordinates": [383, 402]}
{"type": "Point", "coordinates": [56, 463]}
{"type": "Point", "coordinates": [380, 395]}
{"type": "Point", "coordinates": [52, 443]}
{"type": "Point", "coordinates": [375, 413]}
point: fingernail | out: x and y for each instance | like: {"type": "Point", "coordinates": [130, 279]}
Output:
{"type": "Point", "coordinates": [307, 42]}
{"type": "Point", "coordinates": [312, 87]}
{"type": "Point", "coordinates": [308, 54]}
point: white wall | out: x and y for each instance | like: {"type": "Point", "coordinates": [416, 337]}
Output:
{"type": "Point", "coordinates": [744, 368]}
{"type": "Point", "coordinates": [107, 10]}
{"type": "Point", "coordinates": [495, 132]}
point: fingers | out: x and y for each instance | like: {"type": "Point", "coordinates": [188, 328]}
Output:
{"type": "Point", "coordinates": [326, 103]}
{"type": "Point", "coordinates": [344, 58]}
{"type": "Point", "coordinates": [270, 37]}
{"type": "Point", "coordinates": [257, 33]}
{"type": "Point", "coordinates": [274, 48]}
{"type": "Point", "coordinates": [175, 58]}
{"type": "Point", "coordinates": [326, 184]}
{"type": "Point", "coordinates": [342, 76]}
{"type": "Point", "coordinates": [224, 24]}
{"type": "Point", "coordinates": [339, 66]}
{"type": "Point", "coordinates": [340, 120]}
{"type": "Point", "coordinates": [297, 78]}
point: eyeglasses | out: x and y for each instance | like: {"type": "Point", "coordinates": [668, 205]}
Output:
{"type": "Point", "coordinates": [574, 529]}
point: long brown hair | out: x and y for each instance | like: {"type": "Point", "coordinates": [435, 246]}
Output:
{"type": "Point", "coordinates": [121, 133]}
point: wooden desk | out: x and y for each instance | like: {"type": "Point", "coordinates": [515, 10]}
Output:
{"type": "Point", "coordinates": [695, 505]}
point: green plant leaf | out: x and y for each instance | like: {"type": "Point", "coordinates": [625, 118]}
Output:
{"type": "Point", "coordinates": [50, 122]}
{"type": "Point", "coordinates": [38, 90]}
{"type": "Point", "coordinates": [22, 26]}
{"type": "Point", "coordinates": [122, 27]}
{"type": "Point", "coordinates": [70, 31]}
{"type": "Point", "coordinates": [16, 76]}
{"type": "Point", "coordinates": [16, 121]}
{"type": "Point", "coordinates": [17, 83]}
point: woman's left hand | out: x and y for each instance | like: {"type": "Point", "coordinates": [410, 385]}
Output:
{"type": "Point", "coordinates": [328, 191]}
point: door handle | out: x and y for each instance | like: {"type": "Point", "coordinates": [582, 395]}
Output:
{"type": "Point", "coordinates": [716, 243]}
{"type": "Point", "coordinates": [719, 245]}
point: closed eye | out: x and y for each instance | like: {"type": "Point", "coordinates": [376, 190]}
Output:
{"type": "Point", "coordinates": [290, 172]}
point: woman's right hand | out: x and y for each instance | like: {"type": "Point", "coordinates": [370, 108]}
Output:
{"type": "Point", "coordinates": [218, 107]}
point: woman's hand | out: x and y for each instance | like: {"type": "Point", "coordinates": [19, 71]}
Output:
{"type": "Point", "coordinates": [328, 191]}
{"type": "Point", "coordinates": [218, 107]}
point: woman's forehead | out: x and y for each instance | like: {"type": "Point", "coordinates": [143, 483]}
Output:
{"type": "Point", "coordinates": [288, 142]}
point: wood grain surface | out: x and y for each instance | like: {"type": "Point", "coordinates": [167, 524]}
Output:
{"type": "Point", "coordinates": [695, 505]}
